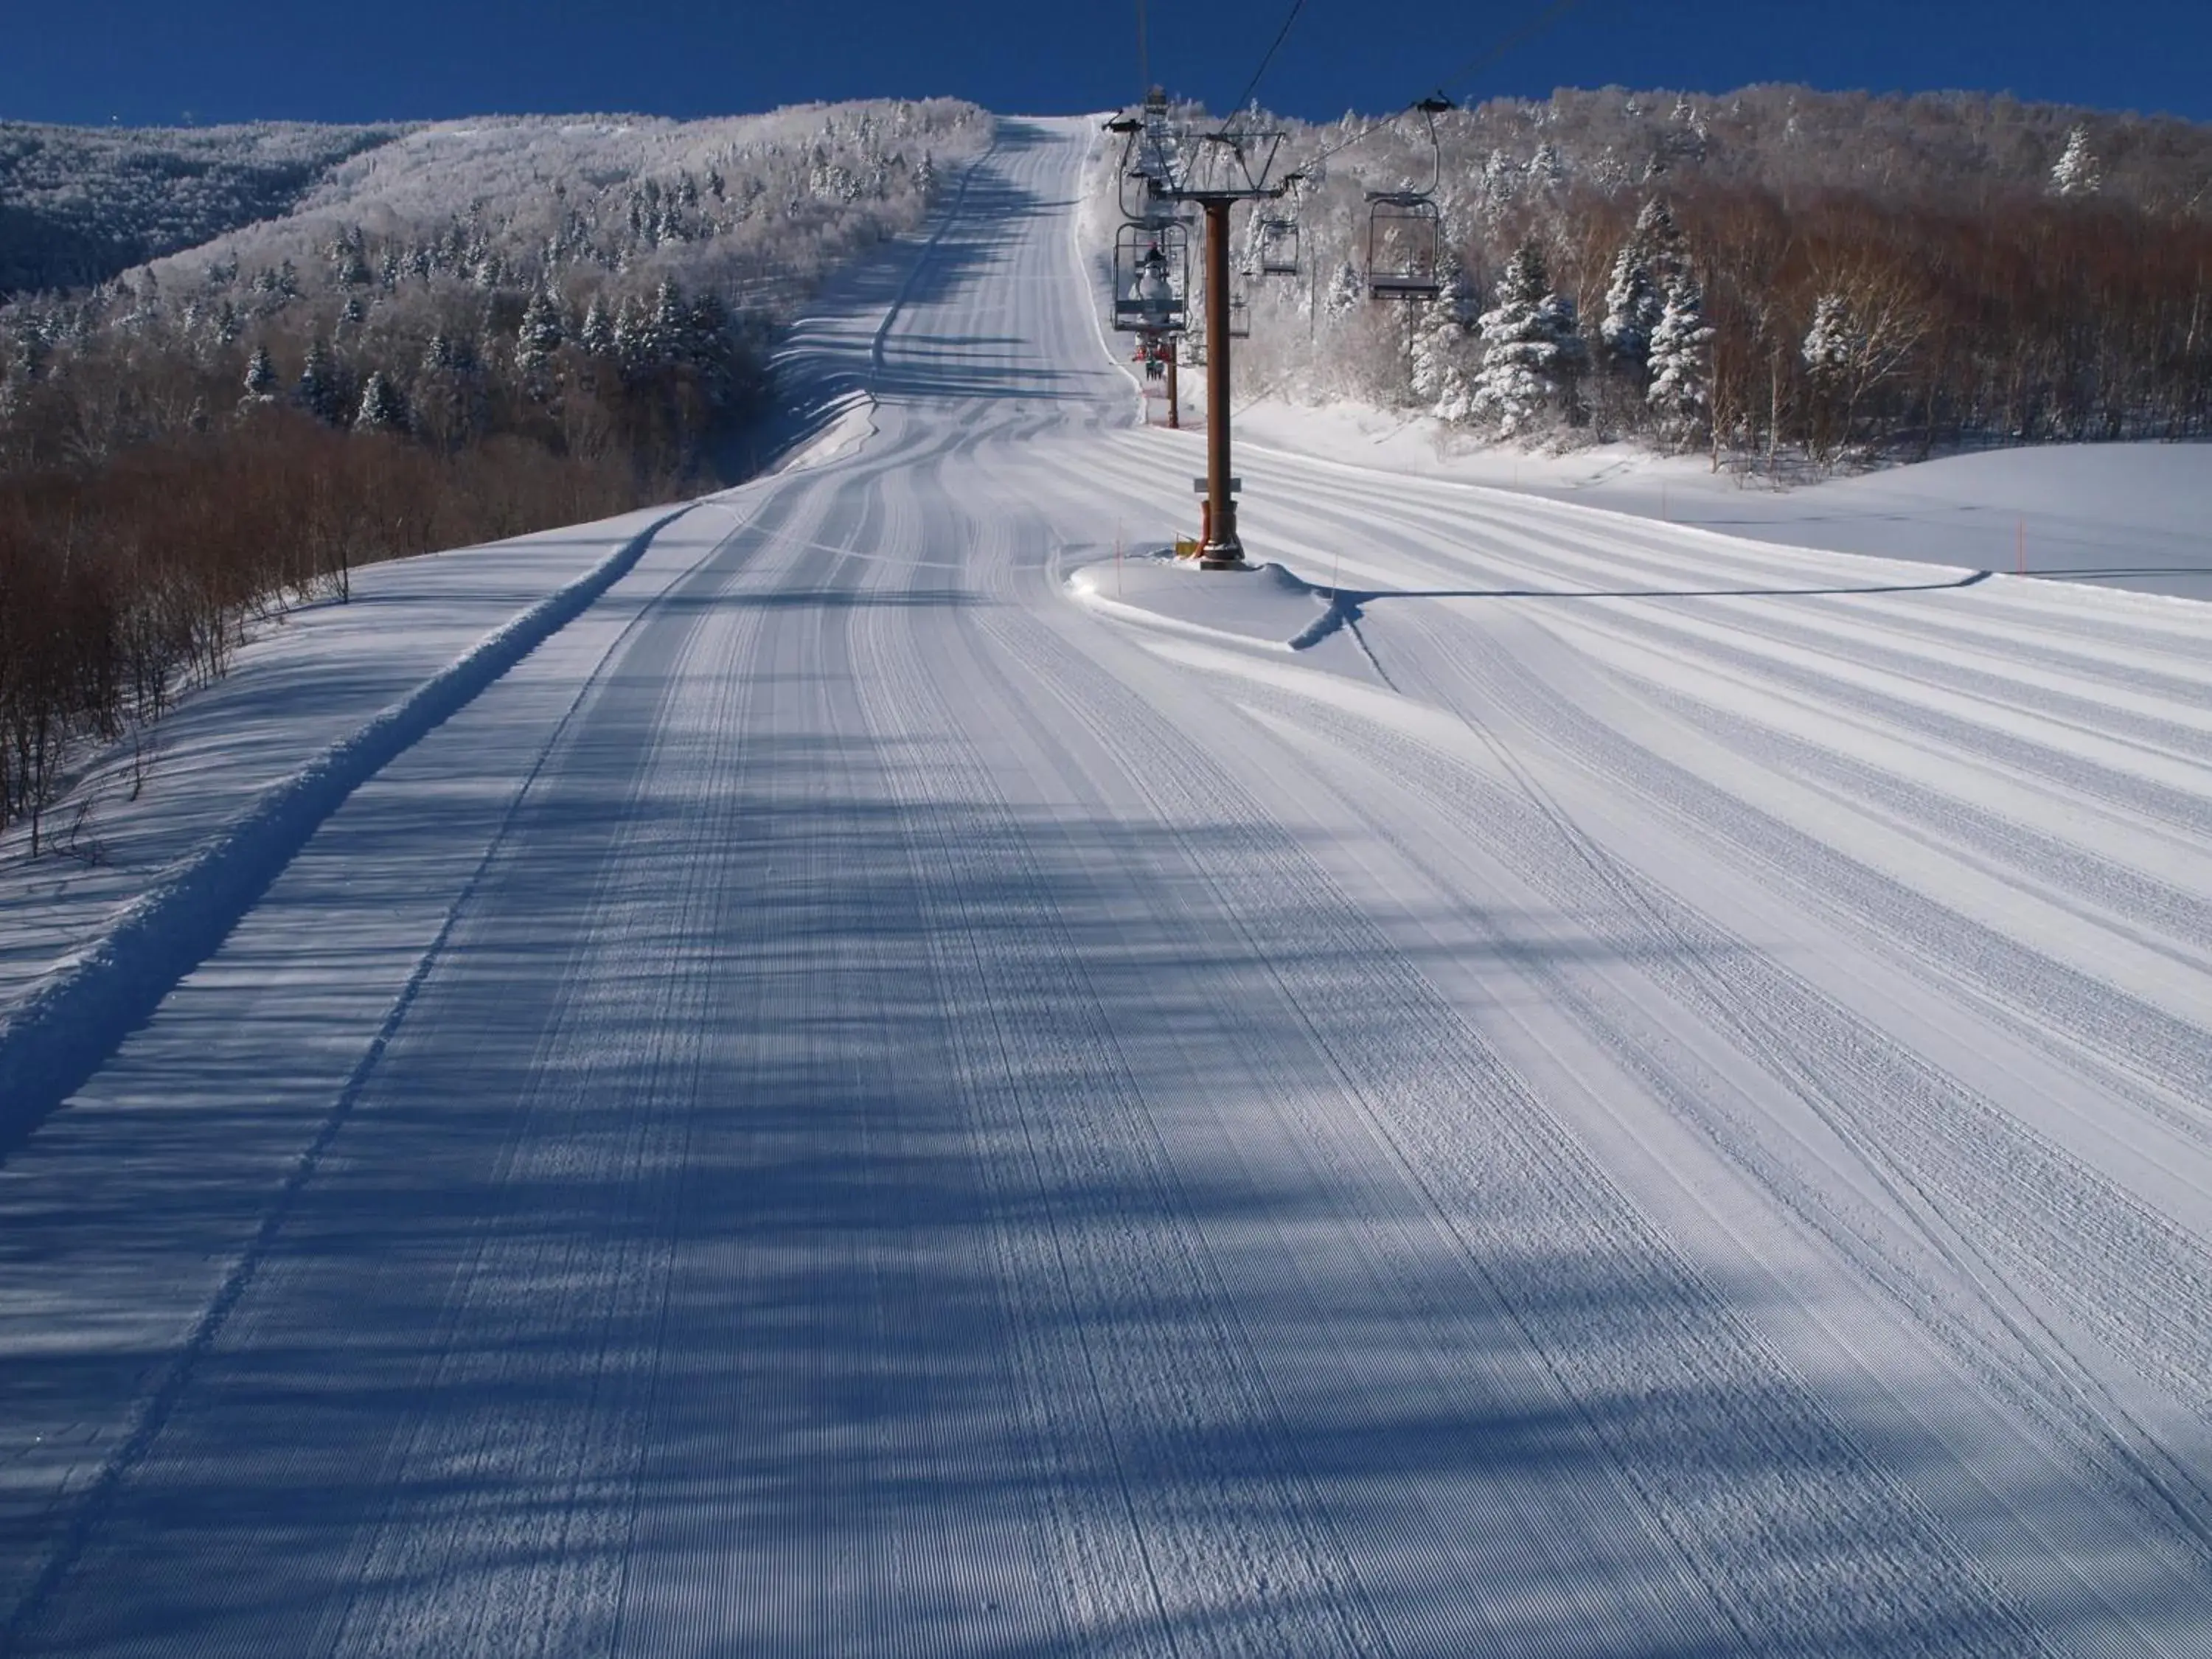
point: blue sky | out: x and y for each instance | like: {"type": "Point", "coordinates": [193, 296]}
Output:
{"type": "Point", "coordinates": [152, 60]}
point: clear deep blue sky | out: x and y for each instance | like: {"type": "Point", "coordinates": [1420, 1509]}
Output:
{"type": "Point", "coordinates": [145, 61]}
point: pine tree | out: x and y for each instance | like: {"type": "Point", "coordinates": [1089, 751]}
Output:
{"type": "Point", "coordinates": [1833, 342]}
{"type": "Point", "coordinates": [2076, 172]}
{"type": "Point", "coordinates": [597, 336]}
{"type": "Point", "coordinates": [1681, 363]}
{"type": "Point", "coordinates": [1648, 262]}
{"type": "Point", "coordinates": [1442, 377]}
{"type": "Point", "coordinates": [260, 377]}
{"type": "Point", "coordinates": [320, 391]}
{"type": "Point", "coordinates": [382, 407]}
{"type": "Point", "coordinates": [536, 341]}
{"type": "Point", "coordinates": [1526, 368]}
{"type": "Point", "coordinates": [655, 336]}
{"type": "Point", "coordinates": [1632, 307]}
{"type": "Point", "coordinates": [706, 349]}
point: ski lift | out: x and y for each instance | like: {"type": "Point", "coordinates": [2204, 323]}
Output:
{"type": "Point", "coordinates": [1240, 318]}
{"type": "Point", "coordinates": [1150, 147]}
{"type": "Point", "coordinates": [1152, 277]}
{"type": "Point", "coordinates": [1405, 245]}
{"type": "Point", "coordinates": [1279, 246]}
{"type": "Point", "coordinates": [1405, 230]}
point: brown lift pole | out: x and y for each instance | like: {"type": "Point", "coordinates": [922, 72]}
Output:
{"type": "Point", "coordinates": [1229, 166]}
{"type": "Point", "coordinates": [1174, 403]}
{"type": "Point", "coordinates": [1221, 550]}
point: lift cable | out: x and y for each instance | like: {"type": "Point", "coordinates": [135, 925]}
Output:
{"type": "Point", "coordinates": [1281, 35]}
{"type": "Point", "coordinates": [1520, 37]}
{"type": "Point", "coordinates": [1528, 32]}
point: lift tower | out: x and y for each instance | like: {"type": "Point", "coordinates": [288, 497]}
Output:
{"type": "Point", "coordinates": [1215, 172]}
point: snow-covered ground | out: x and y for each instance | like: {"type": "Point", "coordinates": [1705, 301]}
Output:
{"type": "Point", "coordinates": [914, 1079]}
{"type": "Point", "coordinates": [2133, 515]}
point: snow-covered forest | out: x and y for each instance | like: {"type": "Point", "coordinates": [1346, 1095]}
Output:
{"type": "Point", "coordinates": [79, 205]}
{"type": "Point", "coordinates": [1785, 276]}
{"type": "Point", "coordinates": [469, 331]}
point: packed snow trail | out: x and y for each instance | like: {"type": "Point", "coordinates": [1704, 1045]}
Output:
{"type": "Point", "coordinates": [852, 1101]}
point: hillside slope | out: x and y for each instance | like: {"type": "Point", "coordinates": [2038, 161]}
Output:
{"type": "Point", "coordinates": [79, 205]}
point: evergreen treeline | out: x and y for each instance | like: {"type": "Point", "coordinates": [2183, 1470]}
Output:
{"type": "Point", "coordinates": [1782, 276]}
{"type": "Point", "coordinates": [183, 449]}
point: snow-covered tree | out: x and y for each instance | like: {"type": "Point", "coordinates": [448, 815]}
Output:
{"type": "Point", "coordinates": [382, 407]}
{"type": "Point", "coordinates": [597, 336]}
{"type": "Point", "coordinates": [2076, 172]}
{"type": "Point", "coordinates": [1527, 359]}
{"type": "Point", "coordinates": [1442, 373]}
{"type": "Point", "coordinates": [260, 377]}
{"type": "Point", "coordinates": [1345, 290]}
{"type": "Point", "coordinates": [1834, 342]}
{"type": "Point", "coordinates": [1681, 363]}
{"type": "Point", "coordinates": [320, 391]}
{"type": "Point", "coordinates": [536, 340]}
{"type": "Point", "coordinates": [1632, 307]}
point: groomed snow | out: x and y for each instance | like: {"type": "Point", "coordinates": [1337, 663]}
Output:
{"type": "Point", "coordinates": [1522, 1081]}
{"type": "Point", "coordinates": [2128, 515]}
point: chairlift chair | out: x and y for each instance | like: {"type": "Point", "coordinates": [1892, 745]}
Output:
{"type": "Point", "coordinates": [1405, 230]}
{"type": "Point", "coordinates": [1405, 245]}
{"type": "Point", "coordinates": [1279, 246]}
{"type": "Point", "coordinates": [1240, 318]}
{"type": "Point", "coordinates": [1151, 279]}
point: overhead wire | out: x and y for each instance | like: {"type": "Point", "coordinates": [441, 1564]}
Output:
{"type": "Point", "coordinates": [1281, 35]}
{"type": "Point", "coordinates": [1482, 60]}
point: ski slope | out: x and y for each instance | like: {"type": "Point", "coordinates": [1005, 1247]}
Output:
{"type": "Point", "coordinates": [892, 1076]}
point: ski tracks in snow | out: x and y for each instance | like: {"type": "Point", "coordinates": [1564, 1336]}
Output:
{"type": "Point", "coordinates": [901, 1116]}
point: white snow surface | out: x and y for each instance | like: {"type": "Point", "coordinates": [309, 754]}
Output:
{"type": "Point", "coordinates": [871, 1067]}
{"type": "Point", "coordinates": [2128, 515]}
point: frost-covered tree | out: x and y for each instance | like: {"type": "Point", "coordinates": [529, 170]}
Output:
{"type": "Point", "coordinates": [2076, 172]}
{"type": "Point", "coordinates": [382, 407]}
{"type": "Point", "coordinates": [1345, 290]}
{"type": "Point", "coordinates": [1527, 359]}
{"type": "Point", "coordinates": [1648, 261]}
{"type": "Point", "coordinates": [1867, 325]}
{"type": "Point", "coordinates": [597, 336]}
{"type": "Point", "coordinates": [1442, 373]}
{"type": "Point", "coordinates": [536, 340]}
{"type": "Point", "coordinates": [1834, 340]}
{"type": "Point", "coordinates": [260, 377]}
{"type": "Point", "coordinates": [320, 391]}
{"type": "Point", "coordinates": [1681, 363]}
{"type": "Point", "coordinates": [1632, 307]}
